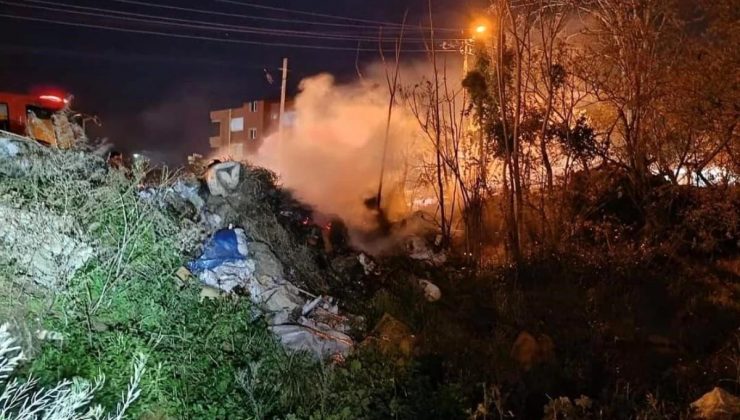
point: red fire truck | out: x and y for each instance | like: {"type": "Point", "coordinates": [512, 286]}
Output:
{"type": "Point", "coordinates": [31, 115]}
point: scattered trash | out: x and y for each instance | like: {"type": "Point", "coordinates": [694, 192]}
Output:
{"type": "Point", "coordinates": [323, 343]}
{"type": "Point", "coordinates": [320, 330]}
{"type": "Point", "coordinates": [418, 249]}
{"type": "Point", "coordinates": [529, 352]}
{"type": "Point", "coordinates": [46, 335]}
{"type": "Point", "coordinates": [226, 245]}
{"type": "Point", "coordinates": [208, 292]}
{"type": "Point", "coordinates": [189, 192]}
{"type": "Point", "coordinates": [431, 291]}
{"type": "Point", "coordinates": [231, 264]}
{"type": "Point", "coordinates": [223, 178]}
{"type": "Point", "coordinates": [717, 404]}
{"type": "Point", "coordinates": [368, 264]}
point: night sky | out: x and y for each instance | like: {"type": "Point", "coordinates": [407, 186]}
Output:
{"type": "Point", "coordinates": [153, 92]}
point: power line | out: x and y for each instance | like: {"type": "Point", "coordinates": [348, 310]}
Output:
{"type": "Point", "coordinates": [125, 57]}
{"type": "Point", "coordinates": [179, 22]}
{"type": "Point", "coordinates": [249, 17]}
{"type": "Point", "coordinates": [323, 15]}
{"type": "Point", "coordinates": [195, 24]}
{"type": "Point", "coordinates": [200, 37]}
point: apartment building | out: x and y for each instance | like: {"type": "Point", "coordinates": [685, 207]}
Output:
{"type": "Point", "coordinates": [239, 132]}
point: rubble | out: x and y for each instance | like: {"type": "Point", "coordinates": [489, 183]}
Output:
{"type": "Point", "coordinates": [22, 157]}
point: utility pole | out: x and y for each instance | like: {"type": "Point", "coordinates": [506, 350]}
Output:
{"type": "Point", "coordinates": [282, 96]}
{"type": "Point", "coordinates": [466, 52]}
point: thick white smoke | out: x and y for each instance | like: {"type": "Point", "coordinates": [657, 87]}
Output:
{"type": "Point", "coordinates": [332, 155]}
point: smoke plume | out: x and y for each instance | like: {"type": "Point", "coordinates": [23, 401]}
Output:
{"type": "Point", "coordinates": [331, 157]}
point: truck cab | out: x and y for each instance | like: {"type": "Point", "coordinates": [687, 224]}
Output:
{"type": "Point", "coordinates": [31, 115]}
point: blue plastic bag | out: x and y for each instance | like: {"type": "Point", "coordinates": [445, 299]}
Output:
{"type": "Point", "coordinates": [221, 248]}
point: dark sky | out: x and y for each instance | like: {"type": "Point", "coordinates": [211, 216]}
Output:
{"type": "Point", "coordinates": [154, 92]}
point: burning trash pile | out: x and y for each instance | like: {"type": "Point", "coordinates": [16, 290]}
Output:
{"type": "Point", "coordinates": [247, 251]}
{"type": "Point", "coordinates": [242, 235]}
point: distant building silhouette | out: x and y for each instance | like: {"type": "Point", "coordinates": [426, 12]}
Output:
{"type": "Point", "coordinates": [239, 132]}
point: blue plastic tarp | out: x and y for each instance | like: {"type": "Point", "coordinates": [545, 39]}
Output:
{"type": "Point", "coordinates": [221, 248]}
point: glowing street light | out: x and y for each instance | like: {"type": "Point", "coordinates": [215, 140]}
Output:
{"type": "Point", "coordinates": [480, 28]}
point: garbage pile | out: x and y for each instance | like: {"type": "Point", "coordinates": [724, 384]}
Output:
{"type": "Point", "coordinates": [260, 242]}
{"type": "Point", "coordinates": [249, 250]}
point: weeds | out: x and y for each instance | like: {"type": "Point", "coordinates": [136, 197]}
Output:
{"type": "Point", "coordinates": [66, 400]}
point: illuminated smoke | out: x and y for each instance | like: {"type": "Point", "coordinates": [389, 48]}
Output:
{"type": "Point", "coordinates": [331, 156]}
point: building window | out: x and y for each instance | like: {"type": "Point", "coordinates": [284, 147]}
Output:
{"type": "Point", "coordinates": [252, 133]}
{"type": "Point", "coordinates": [215, 128]}
{"type": "Point", "coordinates": [253, 106]}
{"type": "Point", "coordinates": [237, 124]}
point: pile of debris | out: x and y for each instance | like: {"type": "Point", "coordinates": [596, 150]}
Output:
{"type": "Point", "coordinates": [248, 251]}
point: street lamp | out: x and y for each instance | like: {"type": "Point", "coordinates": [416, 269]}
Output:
{"type": "Point", "coordinates": [480, 30]}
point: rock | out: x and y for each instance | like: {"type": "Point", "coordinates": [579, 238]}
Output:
{"type": "Point", "coordinates": [431, 291]}
{"type": "Point", "coordinates": [529, 352]}
{"type": "Point", "coordinates": [717, 404]}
